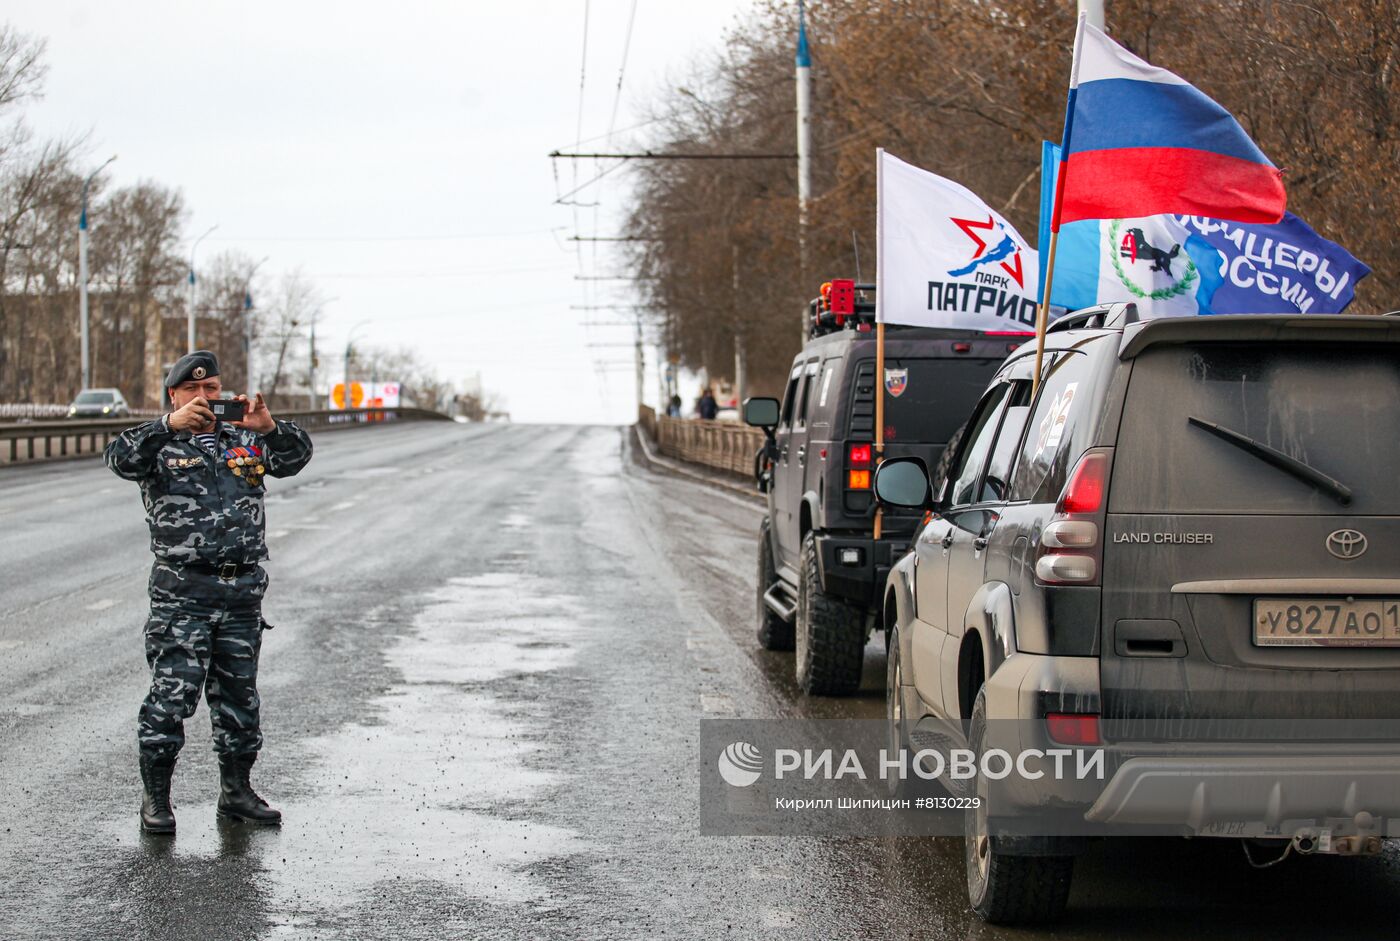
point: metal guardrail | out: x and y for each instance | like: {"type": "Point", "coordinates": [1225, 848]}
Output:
{"type": "Point", "coordinates": [25, 442]}
{"type": "Point", "coordinates": [724, 446]}
{"type": "Point", "coordinates": [38, 411]}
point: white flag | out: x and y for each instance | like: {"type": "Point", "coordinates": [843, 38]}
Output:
{"type": "Point", "coordinates": [947, 259]}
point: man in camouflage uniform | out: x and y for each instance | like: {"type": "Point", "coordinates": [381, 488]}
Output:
{"type": "Point", "coordinates": [202, 484]}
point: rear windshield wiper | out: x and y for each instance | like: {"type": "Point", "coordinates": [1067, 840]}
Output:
{"type": "Point", "coordinates": [1289, 465]}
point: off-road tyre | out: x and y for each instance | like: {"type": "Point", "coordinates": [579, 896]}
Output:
{"type": "Point", "coordinates": [830, 633]}
{"type": "Point", "coordinates": [1005, 889]}
{"type": "Point", "coordinates": [773, 632]}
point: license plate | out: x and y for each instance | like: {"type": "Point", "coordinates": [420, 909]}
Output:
{"type": "Point", "coordinates": [1327, 622]}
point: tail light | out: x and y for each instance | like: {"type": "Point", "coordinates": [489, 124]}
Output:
{"type": "Point", "coordinates": [1071, 545]}
{"type": "Point", "coordinates": [1073, 728]}
{"type": "Point", "coordinates": [858, 463]}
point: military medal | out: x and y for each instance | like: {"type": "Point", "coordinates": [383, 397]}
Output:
{"type": "Point", "coordinates": [246, 463]}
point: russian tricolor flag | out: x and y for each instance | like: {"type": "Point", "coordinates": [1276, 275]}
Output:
{"type": "Point", "coordinates": [1140, 141]}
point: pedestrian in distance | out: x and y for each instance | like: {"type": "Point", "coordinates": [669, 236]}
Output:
{"type": "Point", "coordinates": [707, 407]}
{"type": "Point", "coordinates": [202, 484]}
{"type": "Point", "coordinates": [673, 408]}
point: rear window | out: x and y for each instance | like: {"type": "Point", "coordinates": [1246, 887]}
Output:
{"type": "Point", "coordinates": [1334, 407]}
{"type": "Point", "coordinates": [930, 399]}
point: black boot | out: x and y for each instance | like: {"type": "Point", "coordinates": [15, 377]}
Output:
{"type": "Point", "coordinates": [237, 799]}
{"type": "Point", "coordinates": [156, 813]}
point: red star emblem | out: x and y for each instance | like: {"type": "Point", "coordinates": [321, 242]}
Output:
{"type": "Point", "coordinates": [970, 227]}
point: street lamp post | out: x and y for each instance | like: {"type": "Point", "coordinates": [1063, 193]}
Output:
{"type": "Point", "coordinates": [248, 324]}
{"type": "Point", "coordinates": [311, 358]}
{"type": "Point", "coordinates": [190, 332]}
{"type": "Point", "coordinates": [83, 277]}
{"type": "Point", "coordinates": [348, 340]}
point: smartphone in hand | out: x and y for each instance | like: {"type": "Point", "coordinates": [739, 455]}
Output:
{"type": "Point", "coordinates": [229, 410]}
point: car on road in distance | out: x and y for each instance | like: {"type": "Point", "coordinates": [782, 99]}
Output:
{"type": "Point", "coordinates": [1182, 551]}
{"type": "Point", "coordinates": [99, 403]}
{"type": "Point", "coordinates": [821, 569]}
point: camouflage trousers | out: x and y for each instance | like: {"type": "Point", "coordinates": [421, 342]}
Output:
{"type": "Point", "coordinates": [204, 634]}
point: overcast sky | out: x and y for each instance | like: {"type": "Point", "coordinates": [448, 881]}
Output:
{"type": "Point", "coordinates": [396, 153]}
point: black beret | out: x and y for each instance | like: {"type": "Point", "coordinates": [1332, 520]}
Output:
{"type": "Point", "coordinates": [199, 365]}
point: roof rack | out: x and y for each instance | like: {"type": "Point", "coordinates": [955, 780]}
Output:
{"type": "Point", "coordinates": [842, 305]}
{"type": "Point", "coordinates": [1104, 316]}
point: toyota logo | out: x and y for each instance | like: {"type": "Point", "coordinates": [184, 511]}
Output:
{"type": "Point", "coordinates": [1346, 543]}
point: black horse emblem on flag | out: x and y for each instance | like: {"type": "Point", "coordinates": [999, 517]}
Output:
{"type": "Point", "coordinates": [1136, 246]}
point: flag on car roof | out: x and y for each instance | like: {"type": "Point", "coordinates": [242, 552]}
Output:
{"type": "Point", "coordinates": [945, 258]}
{"type": "Point", "coordinates": [1179, 265]}
{"type": "Point", "coordinates": [1141, 141]}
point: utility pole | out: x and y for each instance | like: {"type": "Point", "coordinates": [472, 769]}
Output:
{"type": "Point", "coordinates": [248, 337]}
{"type": "Point", "coordinates": [1094, 10]}
{"type": "Point", "coordinates": [804, 145]}
{"type": "Point", "coordinates": [641, 366]}
{"type": "Point", "coordinates": [349, 338]}
{"type": "Point", "coordinates": [190, 330]}
{"type": "Point", "coordinates": [311, 370]}
{"type": "Point", "coordinates": [83, 278]}
{"type": "Point", "coordinates": [741, 365]}
{"type": "Point", "coordinates": [248, 327]}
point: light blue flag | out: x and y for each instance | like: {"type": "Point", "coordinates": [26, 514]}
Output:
{"type": "Point", "coordinates": [1155, 261]}
{"type": "Point", "coordinates": [1184, 265]}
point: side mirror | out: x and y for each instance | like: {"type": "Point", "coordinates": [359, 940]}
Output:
{"type": "Point", "coordinates": [903, 482]}
{"type": "Point", "coordinates": [761, 412]}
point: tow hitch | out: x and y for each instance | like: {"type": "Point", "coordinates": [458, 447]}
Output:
{"type": "Point", "coordinates": [1309, 841]}
{"type": "Point", "coordinates": [1363, 842]}
{"type": "Point", "coordinates": [1312, 841]}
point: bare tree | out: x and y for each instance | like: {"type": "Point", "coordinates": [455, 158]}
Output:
{"type": "Point", "coordinates": [295, 301]}
{"type": "Point", "coordinates": [968, 89]}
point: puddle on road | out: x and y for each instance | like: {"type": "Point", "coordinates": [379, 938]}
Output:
{"type": "Point", "coordinates": [438, 782]}
{"type": "Point", "coordinates": [438, 785]}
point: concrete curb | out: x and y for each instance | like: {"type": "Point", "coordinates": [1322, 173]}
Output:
{"type": "Point", "coordinates": [655, 461]}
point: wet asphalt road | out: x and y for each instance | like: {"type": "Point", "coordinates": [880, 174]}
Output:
{"type": "Point", "coordinates": [482, 698]}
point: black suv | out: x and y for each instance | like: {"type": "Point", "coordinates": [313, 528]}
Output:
{"type": "Point", "coordinates": [821, 572]}
{"type": "Point", "coordinates": [1179, 557]}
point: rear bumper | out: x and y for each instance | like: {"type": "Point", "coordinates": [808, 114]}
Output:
{"type": "Point", "coordinates": [863, 581]}
{"type": "Point", "coordinates": [1217, 788]}
{"type": "Point", "coordinates": [1255, 796]}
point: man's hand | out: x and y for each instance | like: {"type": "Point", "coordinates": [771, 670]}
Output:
{"type": "Point", "coordinates": [194, 416]}
{"type": "Point", "coordinates": [258, 418]}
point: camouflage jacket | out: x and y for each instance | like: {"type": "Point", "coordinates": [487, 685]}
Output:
{"type": "Point", "coordinates": [201, 507]}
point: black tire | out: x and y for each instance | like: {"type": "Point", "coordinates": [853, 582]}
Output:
{"type": "Point", "coordinates": [830, 633]}
{"type": "Point", "coordinates": [773, 632]}
{"type": "Point", "coordinates": [1005, 889]}
{"type": "Point", "coordinates": [896, 732]}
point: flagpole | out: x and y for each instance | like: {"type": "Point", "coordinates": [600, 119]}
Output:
{"type": "Point", "coordinates": [879, 330]}
{"type": "Point", "coordinates": [879, 411]}
{"type": "Point", "coordinates": [1042, 316]}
